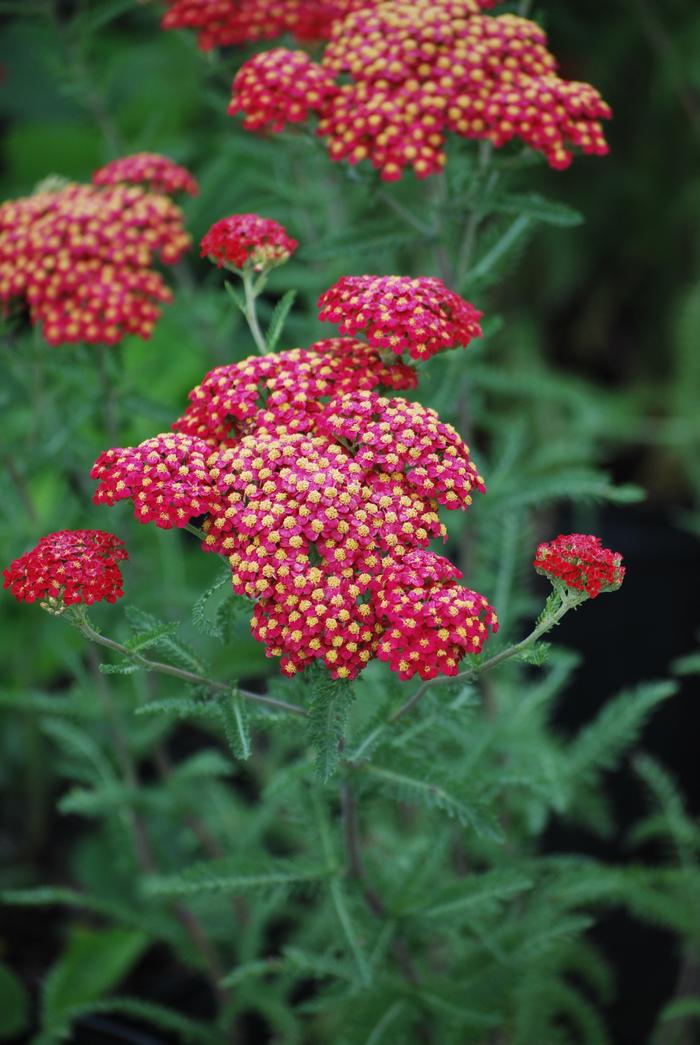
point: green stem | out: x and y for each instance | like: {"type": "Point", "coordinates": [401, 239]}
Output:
{"type": "Point", "coordinates": [252, 290]}
{"type": "Point", "coordinates": [570, 600]}
{"type": "Point", "coordinates": [190, 677]}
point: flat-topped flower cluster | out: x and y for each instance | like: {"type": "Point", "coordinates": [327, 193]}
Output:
{"type": "Point", "coordinates": [322, 493]}
{"type": "Point", "coordinates": [81, 257]}
{"type": "Point", "coordinates": [398, 76]}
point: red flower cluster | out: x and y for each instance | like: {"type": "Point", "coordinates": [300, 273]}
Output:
{"type": "Point", "coordinates": [284, 392]}
{"type": "Point", "coordinates": [69, 567]}
{"type": "Point", "coordinates": [166, 477]}
{"type": "Point", "coordinates": [581, 562]}
{"type": "Point", "coordinates": [247, 238]}
{"type": "Point", "coordinates": [315, 504]}
{"type": "Point", "coordinates": [81, 258]}
{"type": "Point", "coordinates": [155, 172]}
{"type": "Point", "coordinates": [278, 87]}
{"type": "Point", "coordinates": [429, 622]}
{"type": "Point", "coordinates": [414, 70]}
{"type": "Point", "coordinates": [222, 23]}
{"type": "Point", "coordinates": [419, 316]}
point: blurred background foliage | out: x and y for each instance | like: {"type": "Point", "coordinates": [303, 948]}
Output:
{"type": "Point", "coordinates": [590, 367]}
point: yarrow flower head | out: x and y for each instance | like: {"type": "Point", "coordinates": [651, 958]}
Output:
{"type": "Point", "coordinates": [222, 23]}
{"type": "Point", "coordinates": [166, 478]}
{"type": "Point", "coordinates": [419, 316]}
{"type": "Point", "coordinates": [405, 73]}
{"type": "Point", "coordinates": [402, 436]}
{"type": "Point", "coordinates": [80, 256]}
{"type": "Point", "coordinates": [69, 567]}
{"type": "Point", "coordinates": [319, 492]}
{"type": "Point", "coordinates": [155, 172]}
{"type": "Point", "coordinates": [429, 621]}
{"type": "Point", "coordinates": [244, 239]}
{"type": "Point", "coordinates": [581, 562]}
{"type": "Point", "coordinates": [278, 87]}
{"type": "Point", "coordinates": [284, 392]}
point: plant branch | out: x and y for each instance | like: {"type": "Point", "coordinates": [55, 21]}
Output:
{"type": "Point", "coordinates": [142, 845]}
{"type": "Point", "coordinates": [252, 290]}
{"type": "Point", "coordinates": [570, 600]}
{"type": "Point", "coordinates": [186, 676]}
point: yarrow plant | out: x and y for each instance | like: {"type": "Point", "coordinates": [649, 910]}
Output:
{"type": "Point", "coordinates": [350, 525]}
{"type": "Point", "coordinates": [398, 77]}
{"type": "Point", "coordinates": [80, 257]}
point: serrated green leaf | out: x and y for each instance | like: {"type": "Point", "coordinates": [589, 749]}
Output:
{"type": "Point", "coordinates": [199, 611]}
{"type": "Point", "coordinates": [14, 1004]}
{"type": "Point", "coordinates": [235, 719]}
{"type": "Point", "coordinates": [532, 205]}
{"type": "Point", "coordinates": [233, 294]}
{"type": "Point", "coordinates": [124, 668]}
{"type": "Point", "coordinates": [536, 655]}
{"type": "Point", "coordinates": [407, 782]}
{"type": "Point", "coordinates": [227, 876]}
{"type": "Point", "coordinates": [328, 713]}
{"type": "Point", "coordinates": [145, 639]}
{"type": "Point", "coordinates": [278, 319]}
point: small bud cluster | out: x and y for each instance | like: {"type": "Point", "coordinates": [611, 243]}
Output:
{"type": "Point", "coordinates": [151, 170]}
{"type": "Point", "coordinates": [412, 71]}
{"type": "Point", "coordinates": [420, 316]}
{"type": "Point", "coordinates": [223, 23]}
{"type": "Point", "coordinates": [81, 258]}
{"type": "Point", "coordinates": [69, 567]}
{"type": "Point", "coordinates": [581, 562]}
{"type": "Point", "coordinates": [243, 239]}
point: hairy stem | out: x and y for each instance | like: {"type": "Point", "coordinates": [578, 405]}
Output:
{"type": "Point", "coordinates": [251, 292]}
{"type": "Point", "coordinates": [569, 601]}
{"type": "Point", "coordinates": [179, 673]}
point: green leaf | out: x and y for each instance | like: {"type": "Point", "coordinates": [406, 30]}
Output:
{"type": "Point", "coordinates": [200, 619]}
{"type": "Point", "coordinates": [681, 1009]}
{"type": "Point", "coordinates": [600, 744]}
{"type": "Point", "coordinates": [536, 655]}
{"type": "Point", "coordinates": [165, 1019]}
{"type": "Point", "coordinates": [477, 894]}
{"type": "Point", "coordinates": [328, 715]}
{"type": "Point", "coordinates": [226, 876]}
{"type": "Point", "coordinates": [537, 207]}
{"type": "Point", "coordinates": [126, 667]}
{"type": "Point", "coordinates": [93, 962]}
{"type": "Point", "coordinates": [278, 319]}
{"type": "Point", "coordinates": [178, 652]}
{"type": "Point", "coordinates": [145, 639]}
{"type": "Point", "coordinates": [235, 718]}
{"type": "Point", "coordinates": [14, 1004]}
{"type": "Point", "coordinates": [233, 294]}
{"type": "Point", "coordinates": [687, 665]}
{"type": "Point", "coordinates": [406, 781]}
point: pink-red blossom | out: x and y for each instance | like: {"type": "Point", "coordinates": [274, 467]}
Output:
{"type": "Point", "coordinates": [581, 562]}
{"type": "Point", "coordinates": [398, 76]}
{"type": "Point", "coordinates": [285, 392]}
{"type": "Point", "coordinates": [155, 172]}
{"type": "Point", "coordinates": [69, 567]}
{"type": "Point", "coordinates": [247, 238]}
{"type": "Point", "coordinates": [166, 478]}
{"type": "Point", "coordinates": [420, 316]}
{"type": "Point", "coordinates": [80, 257]}
{"type": "Point", "coordinates": [429, 622]}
